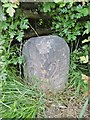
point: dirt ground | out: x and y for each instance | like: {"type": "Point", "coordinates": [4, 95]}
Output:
{"type": "Point", "coordinates": [66, 104]}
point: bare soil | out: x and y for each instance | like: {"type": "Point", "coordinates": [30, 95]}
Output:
{"type": "Point", "coordinates": [66, 104]}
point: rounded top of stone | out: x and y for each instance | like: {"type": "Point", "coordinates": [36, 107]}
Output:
{"type": "Point", "coordinates": [45, 38]}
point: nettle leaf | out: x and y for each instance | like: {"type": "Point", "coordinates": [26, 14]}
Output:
{"type": "Point", "coordinates": [10, 10]}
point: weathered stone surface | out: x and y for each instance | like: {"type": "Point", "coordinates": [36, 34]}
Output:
{"type": "Point", "coordinates": [47, 57]}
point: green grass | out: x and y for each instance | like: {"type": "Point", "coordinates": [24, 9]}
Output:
{"type": "Point", "coordinates": [83, 108]}
{"type": "Point", "coordinates": [75, 81]}
{"type": "Point", "coordinates": [19, 100]}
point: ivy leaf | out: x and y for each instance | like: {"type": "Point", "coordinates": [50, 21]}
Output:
{"type": "Point", "coordinates": [10, 11]}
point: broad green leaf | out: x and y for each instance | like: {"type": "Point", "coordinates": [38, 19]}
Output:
{"type": "Point", "coordinates": [20, 60]}
{"type": "Point", "coordinates": [56, 1]}
{"type": "Point", "coordinates": [4, 1]}
{"type": "Point", "coordinates": [2, 17]}
{"type": "Point", "coordinates": [20, 36]}
{"type": "Point", "coordinates": [46, 8]}
{"type": "Point", "coordinates": [10, 11]}
{"type": "Point", "coordinates": [10, 5]}
{"type": "Point", "coordinates": [12, 34]}
{"type": "Point", "coordinates": [86, 32]}
{"type": "Point", "coordinates": [85, 11]}
{"type": "Point", "coordinates": [14, 61]}
{"type": "Point", "coordinates": [6, 5]}
{"type": "Point", "coordinates": [14, 6]}
{"type": "Point", "coordinates": [24, 26]}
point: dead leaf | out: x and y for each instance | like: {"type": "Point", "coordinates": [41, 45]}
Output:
{"type": "Point", "coordinates": [15, 1]}
{"type": "Point", "coordinates": [85, 78]}
{"type": "Point", "coordinates": [86, 40]}
{"type": "Point", "coordinates": [89, 85]}
{"type": "Point", "coordinates": [85, 94]}
{"type": "Point", "coordinates": [84, 59]}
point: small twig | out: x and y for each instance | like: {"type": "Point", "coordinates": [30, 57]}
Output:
{"type": "Point", "coordinates": [33, 29]}
{"type": "Point", "coordinates": [84, 108]}
{"type": "Point", "coordinates": [77, 44]}
{"type": "Point", "coordinates": [10, 39]}
{"type": "Point", "coordinates": [9, 45]}
{"type": "Point", "coordinates": [20, 55]}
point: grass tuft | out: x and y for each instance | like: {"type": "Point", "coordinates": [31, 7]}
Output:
{"type": "Point", "coordinates": [19, 100]}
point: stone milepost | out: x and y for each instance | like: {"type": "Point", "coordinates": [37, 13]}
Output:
{"type": "Point", "coordinates": [47, 58]}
